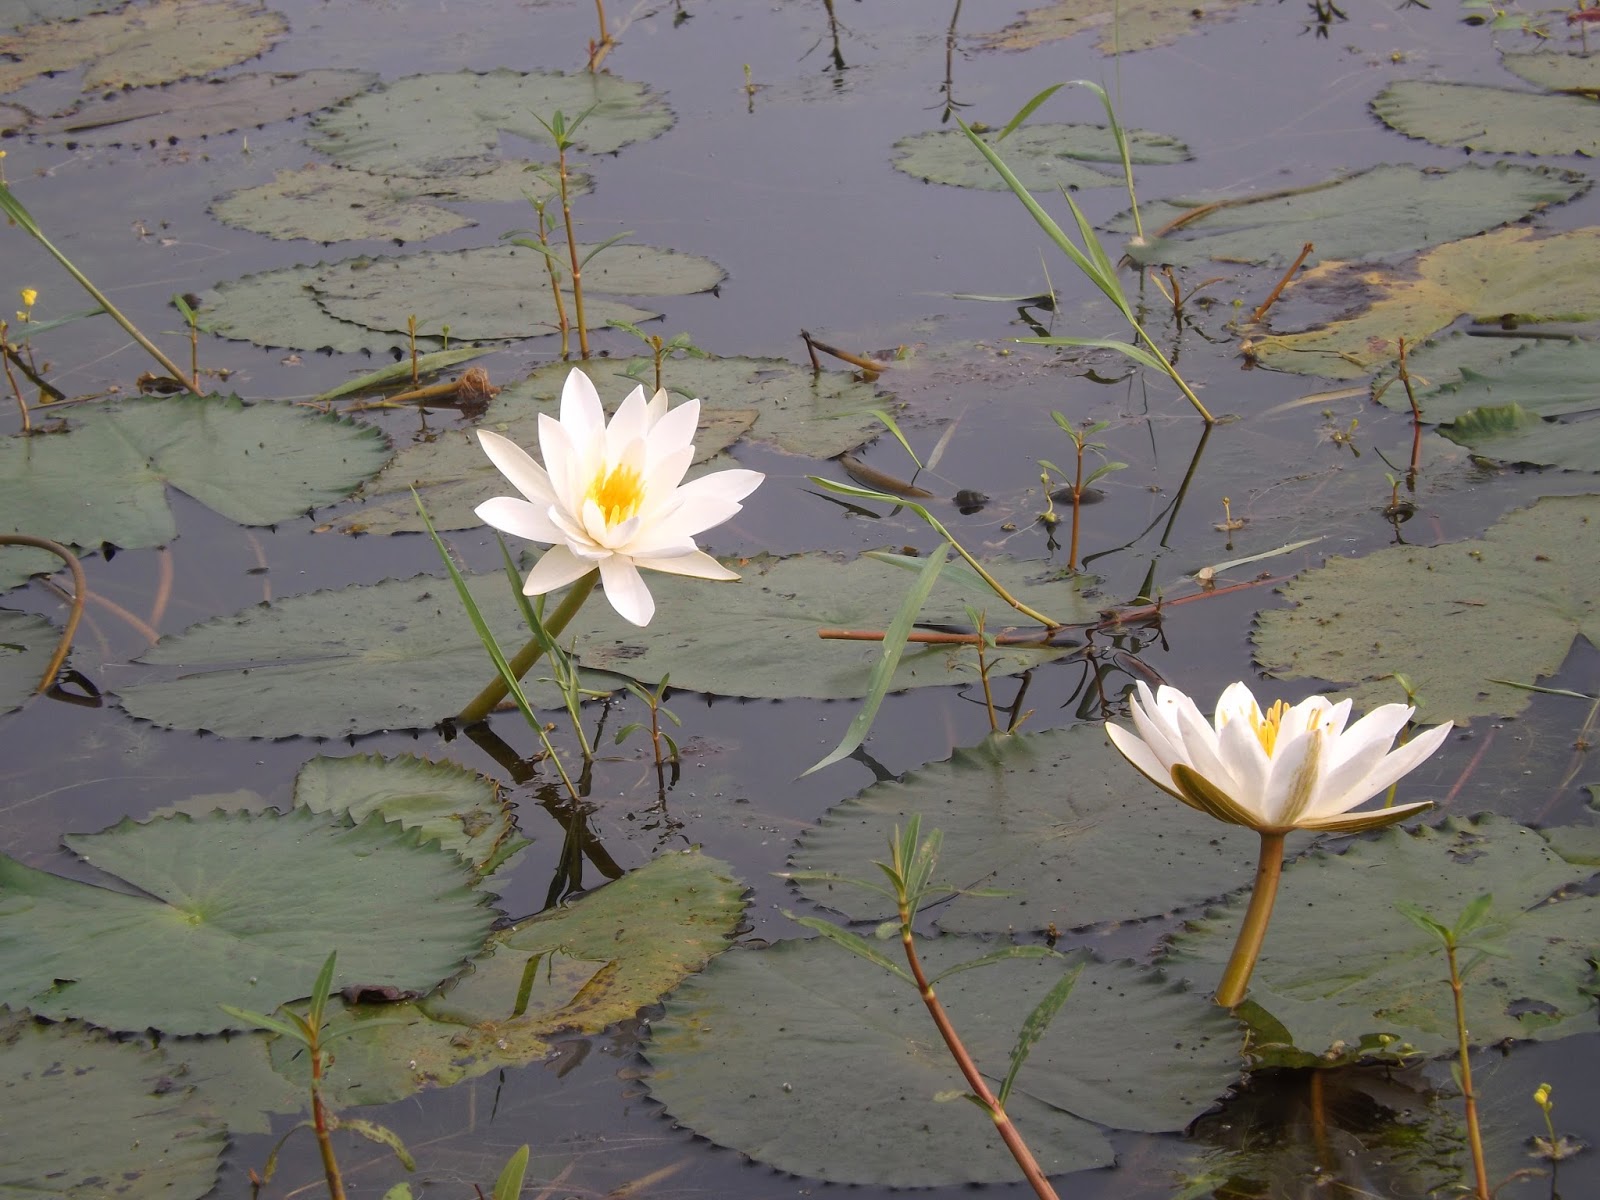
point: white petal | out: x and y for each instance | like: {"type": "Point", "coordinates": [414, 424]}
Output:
{"type": "Point", "coordinates": [696, 563]}
{"type": "Point", "coordinates": [1292, 788]}
{"type": "Point", "coordinates": [676, 429]}
{"type": "Point", "coordinates": [1140, 755]}
{"type": "Point", "coordinates": [520, 519]}
{"type": "Point", "coordinates": [626, 589]}
{"type": "Point", "coordinates": [1246, 757]}
{"type": "Point", "coordinates": [1236, 700]}
{"type": "Point", "coordinates": [1156, 731]}
{"type": "Point", "coordinates": [1379, 726]}
{"type": "Point", "coordinates": [727, 485]}
{"type": "Point", "coordinates": [1337, 716]}
{"type": "Point", "coordinates": [657, 407]}
{"type": "Point", "coordinates": [581, 412]}
{"type": "Point", "coordinates": [517, 465]}
{"type": "Point", "coordinates": [562, 461]}
{"type": "Point", "coordinates": [658, 541]}
{"type": "Point", "coordinates": [631, 422]}
{"type": "Point", "coordinates": [663, 473]}
{"type": "Point", "coordinates": [1400, 762]}
{"type": "Point", "coordinates": [1205, 752]}
{"type": "Point", "coordinates": [556, 567]}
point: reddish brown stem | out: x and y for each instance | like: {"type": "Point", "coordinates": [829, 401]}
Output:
{"type": "Point", "coordinates": [1272, 297]}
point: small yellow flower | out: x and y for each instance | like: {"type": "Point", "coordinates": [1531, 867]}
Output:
{"type": "Point", "coordinates": [1541, 1097]}
{"type": "Point", "coordinates": [29, 297]}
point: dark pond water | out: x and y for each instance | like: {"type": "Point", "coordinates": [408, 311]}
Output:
{"type": "Point", "coordinates": [790, 189]}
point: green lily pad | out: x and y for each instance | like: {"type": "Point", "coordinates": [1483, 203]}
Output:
{"type": "Point", "coordinates": [574, 970]}
{"type": "Point", "coordinates": [440, 125]}
{"type": "Point", "coordinates": [1498, 120]}
{"type": "Point", "coordinates": [758, 637]}
{"type": "Point", "coordinates": [1436, 366]}
{"type": "Point", "coordinates": [1381, 211]}
{"type": "Point", "coordinates": [1051, 820]}
{"type": "Point", "coordinates": [501, 292]}
{"type": "Point", "coordinates": [1513, 274]}
{"type": "Point", "coordinates": [16, 13]}
{"type": "Point", "coordinates": [141, 44]}
{"type": "Point", "coordinates": [463, 811]}
{"type": "Point", "coordinates": [333, 204]}
{"type": "Point", "coordinates": [814, 1061]}
{"type": "Point", "coordinates": [232, 909]}
{"type": "Point", "coordinates": [1125, 25]}
{"type": "Point", "coordinates": [1511, 433]}
{"type": "Point", "coordinates": [26, 644]}
{"type": "Point", "coordinates": [199, 108]}
{"type": "Point", "coordinates": [84, 1122]}
{"type": "Point", "coordinates": [1555, 71]}
{"type": "Point", "coordinates": [1579, 843]}
{"type": "Point", "coordinates": [1342, 964]}
{"type": "Point", "coordinates": [106, 480]}
{"type": "Point", "coordinates": [766, 399]}
{"type": "Point", "coordinates": [1449, 618]}
{"type": "Point", "coordinates": [400, 654]}
{"type": "Point", "coordinates": [1044, 156]}
{"type": "Point", "coordinates": [278, 308]}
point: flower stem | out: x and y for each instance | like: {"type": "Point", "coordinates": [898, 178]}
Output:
{"type": "Point", "coordinates": [1236, 979]}
{"type": "Point", "coordinates": [496, 690]}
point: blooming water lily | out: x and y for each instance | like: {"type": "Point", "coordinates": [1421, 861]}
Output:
{"type": "Point", "coordinates": [1288, 768]}
{"type": "Point", "coordinates": [611, 496]}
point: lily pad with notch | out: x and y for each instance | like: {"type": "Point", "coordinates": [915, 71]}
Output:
{"type": "Point", "coordinates": [26, 644]}
{"type": "Point", "coordinates": [1374, 213]}
{"type": "Point", "coordinates": [1343, 967]}
{"type": "Point", "coordinates": [141, 44]}
{"type": "Point", "coordinates": [763, 1053]}
{"type": "Point", "coordinates": [1051, 820]}
{"type": "Point", "coordinates": [105, 480]}
{"type": "Point", "coordinates": [1045, 156]}
{"type": "Point", "coordinates": [439, 125]}
{"type": "Point", "coordinates": [1124, 27]}
{"type": "Point", "coordinates": [233, 908]}
{"type": "Point", "coordinates": [496, 293]}
{"type": "Point", "coordinates": [335, 204]}
{"type": "Point", "coordinates": [1451, 618]}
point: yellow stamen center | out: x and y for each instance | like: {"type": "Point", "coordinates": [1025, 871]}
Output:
{"type": "Point", "coordinates": [619, 493]}
{"type": "Point", "coordinates": [1267, 727]}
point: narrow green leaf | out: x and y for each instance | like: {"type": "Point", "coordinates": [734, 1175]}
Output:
{"type": "Point", "coordinates": [894, 644]}
{"type": "Point", "coordinates": [509, 1185]}
{"type": "Point", "coordinates": [319, 992]}
{"type": "Point", "coordinates": [427, 364]}
{"type": "Point", "coordinates": [856, 945]}
{"type": "Point", "coordinates": [255, 1020]}
{"type": "Point", "coordinates": [383, 1135]}
{"type": "Point", "coordinates": [1034, 1027]}
{"type": "Point", "coordinates": [1027, 110]}
{"type": "Point", "coordinates": [894, 428]}
{"type": "Point", "coordinates": [994, 956]}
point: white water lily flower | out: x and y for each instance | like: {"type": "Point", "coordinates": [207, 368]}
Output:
{"type": "Point", "coordinates": [1292, 768]}
{"type": "Point", "coordinates": [612, 496]}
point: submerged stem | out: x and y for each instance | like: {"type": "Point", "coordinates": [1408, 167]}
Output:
{"type": "Point", "coordinates": [1469, 1097]}
{"type": "Point", "coordinates": [483, 703]}
{"type": "Point", "coordinates": [1236, 979]}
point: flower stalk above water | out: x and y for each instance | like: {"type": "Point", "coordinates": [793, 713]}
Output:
{"type": "Point", "coordinates": [1289, 768]}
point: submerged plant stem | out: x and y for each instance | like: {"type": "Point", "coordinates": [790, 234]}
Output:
{"type": "Point", "coordinates": [1236, 979]}
{"type": "Point", "coordinates": [572, 253]}
{"type": "Point", "coordinates": [80, 592]}
{"type": "Point", "coordinates": [320, 1124]}
{"type": "Point", "coordinates": [969, 1069]}
{"type": "Point", "coordinates": [483, 703]}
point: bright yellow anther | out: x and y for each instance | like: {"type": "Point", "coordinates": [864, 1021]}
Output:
{"type": "Point", "coordinates": [618, 493]}
{"type": "Point", "coordinates": [1267, 727]}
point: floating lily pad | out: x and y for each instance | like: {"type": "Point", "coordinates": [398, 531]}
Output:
{"type": "Point", "coordinates": [1342, 964]}
{"type": "Point", "coordinates": [1377, 212]}
{"type": "Point", "coordinates": [1558, 72]}
{"type": "Point", "coordinates": [16, 13]}
{"type": "Point", "coordinates": [814, 1061]}
{"type": "Point", "coordinates": [197, 108]}
{"type": "Point", "coordinates": [332, 204]}
{"type": "Point", "coordinates": [1579, 843]}
{"type": "Point", "coordinates": [278, 308]}
{"type": "Point", "coordinates": [400, 654]}
{"type": "Point", "coordinates": [574, 970]}
{"type": "Point", "coordinates": [1498, 120]}
{"type": "Point", "coordinates": [766, 399]}
{"type": "Point", "coordinates": [1511, 274]}
{"type": "Point", "coordinates": [106, 480]}
{"type": "Point", "coordinates": [84, 1121]}
{"type": "Point", "coordinates": [26, 644]}
{"type": "Point", "coordinates": [1436, 366]}
{"type": "Point", "coordinates": [141, 44]}
{"type": "Point", "coordinates": [1050, 820]}
{"type": "Point", "coordinates": [233, 909]}
{"type": "Point", "coordinates": [1514, 434]}
{"type": "Point", "coordinates": [462, 810]}
{"type": "Point", "coordinates": [501, 292]}
{"type": "Point", "coordinates": [1449, 618]}
{"type": "Point", "coordinates": [1124, 25]}
{"type": "Point", "coordinates": [758, 637]}
{"type": "Point", "coordinates": [436, 126]}
{"type": "Point", "coordinates": [1044, 156]}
